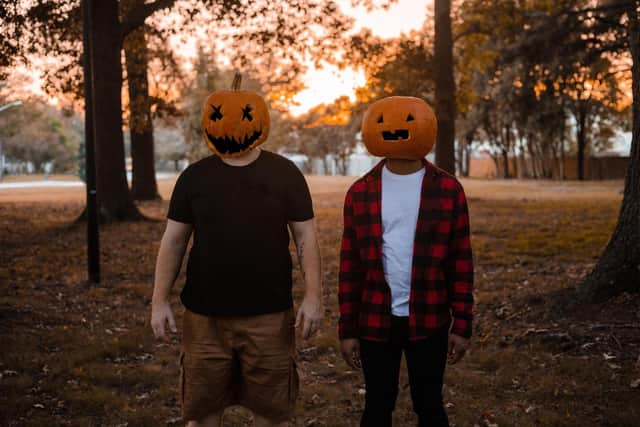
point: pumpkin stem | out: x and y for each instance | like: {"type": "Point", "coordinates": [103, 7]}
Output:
{"type": "Point", "coordinates": [237, 81]}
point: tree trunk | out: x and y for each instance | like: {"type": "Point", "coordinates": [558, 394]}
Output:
{"type": "Point", "coordinates": [562, 141]}
{"type": "Point", "coordinates": [91, 211]}
{"type": "Point", "coordinates": [496, 164]}
{"type": "Point", "coordinates": [555, 171]}
{"type": "Point", "coordinates": [618, 269]}
{"type": "Point", "coordinates": [114, 200]}
{"type": "Point", "coordinates": [563, 176]}
{"type": "Point", "coordinates": [509, 147]}
{"type": "Point", "coordinates": [325, 165]}
{"type": "Point", "coordinates": [516, 169]}
{"type": "Point", "coordinates": [581, 137]}
{"type": "Point", "coordinates": [468, 140]}
{"type": "Point", "coordinates": [143, 182]}
{"type": "Point", "coordinates": [532, 156]}
{"type": "Point", "coordinates": [505, 162]}
{"type": "Point", "coordinates": [547, 160]}
{"type": "Point", "coordinates": [445, 87]}
{"type": "Point", "coordinates": [459, 158]}
{"type": "Point", "coordinates": [524, 169]}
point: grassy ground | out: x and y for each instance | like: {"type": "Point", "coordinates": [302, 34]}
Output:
{"type": "Point", "coordinates": [74, 354]}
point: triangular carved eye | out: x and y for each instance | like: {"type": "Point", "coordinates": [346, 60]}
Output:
{"type": "Point", "coordinates": [380, 119]}
{"type": "Point", "coordinates": [410, 118]}
{"type": "Point", "coordinates": [215, 114]}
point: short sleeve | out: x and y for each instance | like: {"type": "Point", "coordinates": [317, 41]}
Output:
{"type": "Point", "coordinates": [179, 207]}
{"type": "Point", "coordinates": [299, 205]}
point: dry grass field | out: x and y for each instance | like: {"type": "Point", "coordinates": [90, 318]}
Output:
{"type": "Point", "coordinates": [75, 354]}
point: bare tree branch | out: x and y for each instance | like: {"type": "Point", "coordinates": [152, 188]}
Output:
{"type": "Point", "coordinates": [136, 17]}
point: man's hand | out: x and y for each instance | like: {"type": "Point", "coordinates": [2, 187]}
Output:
{"type": "Point", "coordinates": [457, 348]}
{"type": "Point", "coordinates": [161, 315]}
{"type": "Point", "coordinates": [350, 349]}
{"type": "Point", "coordinates": [309, 316]}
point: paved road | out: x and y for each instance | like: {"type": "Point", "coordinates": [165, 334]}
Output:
{"type": "Point", "coordinates": [31, 184]}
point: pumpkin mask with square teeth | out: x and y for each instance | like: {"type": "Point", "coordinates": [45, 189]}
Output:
{"type": "Point", "coordinates": [399, 127]}
{"type": "Point", "coordinates": [234, 121]}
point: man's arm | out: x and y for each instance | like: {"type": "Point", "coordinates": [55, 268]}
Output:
{"type": "Point", "coordinates": [350, 280]}
{"type": "Point", "coordinates": [310, 313]}
{"type": "Point", "coordinates": [350, 276]}
{"type": "Point", "coordinates": [172, 248]}
{"type": "Point", "coordinates": [460, 279]}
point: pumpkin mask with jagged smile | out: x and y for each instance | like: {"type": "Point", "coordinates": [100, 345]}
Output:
{"type": "Point", "coordinates": [234, 121]}
{"type": "Point", "coordinates": [399, 127]}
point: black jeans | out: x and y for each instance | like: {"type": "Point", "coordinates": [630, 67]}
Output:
{"type": "Point", "coordinates": [426, 359]}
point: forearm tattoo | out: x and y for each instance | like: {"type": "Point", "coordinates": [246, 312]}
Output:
{"type": "Point", "coordinates": [301, 259]}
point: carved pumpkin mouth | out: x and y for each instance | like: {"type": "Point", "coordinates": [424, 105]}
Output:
{"type": "Point", "coordinates": [230, 145]}
{"type": "Point", "coordinates": [395, 136]}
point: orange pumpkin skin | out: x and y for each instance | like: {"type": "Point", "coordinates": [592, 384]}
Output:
{"type": "Point", "coordinates": [399, 127]}
{"type": "Point", "coordinates": [234, 122]}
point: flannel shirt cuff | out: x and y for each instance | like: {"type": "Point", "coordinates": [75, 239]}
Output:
{"type": "Point", "coordinates": [347, 330]}
{"type": "Point", "coordinates": [461, 327]}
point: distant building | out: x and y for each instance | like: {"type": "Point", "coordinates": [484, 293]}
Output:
{"type": "Point", "coordinates": [358, 163]}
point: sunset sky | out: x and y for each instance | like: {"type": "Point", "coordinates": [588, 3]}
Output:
{"type": "Point", "coordinates": [323, 85]}
{"type": "Point", "coordinates": [326, 84]}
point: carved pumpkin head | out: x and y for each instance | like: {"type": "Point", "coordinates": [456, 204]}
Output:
{"type": "Point", "coordinates": [399, 127]}
{"type": "Point", "coordinates": [234, 121]}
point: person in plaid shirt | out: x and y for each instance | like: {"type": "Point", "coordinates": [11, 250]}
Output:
{"type": "Point", "coordinates": [406, 268]}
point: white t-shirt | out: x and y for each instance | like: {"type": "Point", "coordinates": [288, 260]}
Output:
{"type": "Point", "coordinates": [400, 207]}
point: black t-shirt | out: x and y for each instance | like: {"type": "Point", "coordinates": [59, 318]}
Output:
{"type": "Point", "coordinates": [239, 263]}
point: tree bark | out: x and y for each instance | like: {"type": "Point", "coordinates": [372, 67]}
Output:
{"type": "Point", "coordinates": [532, 156]}
{"type": "Point", "coordinates": [114, 200]}
{"type": "Point", "coordinates": [514, 156]}
{"type": "Point", "coordinates": [91, 211]}
{"type": "Point", "coordinates": [505, 162]}
{"type": "Point", "coordinates": [143, 182]}
{"type": "Point", "coordinates": [581, 137]}
{"type": "Point", "coordinates": [445, 91]}
{"type": "Point", "coordinates": [618, 268]}
{"type": "Point", "coordinates": [562, 141]}
{"type": "Point", "coordinates": [468, 140]}
{"type": "Point", "coordinates": [459, 157]}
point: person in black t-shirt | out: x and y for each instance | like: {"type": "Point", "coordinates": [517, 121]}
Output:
{"type": "Point", "coordinates": [238, 343]}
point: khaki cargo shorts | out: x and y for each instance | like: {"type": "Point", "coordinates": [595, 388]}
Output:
{"type": "Point", "coordinates": [248, 361]}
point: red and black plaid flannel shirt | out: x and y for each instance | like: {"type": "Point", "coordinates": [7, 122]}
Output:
{"type": "Point", "coordinates": [442, 272]}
